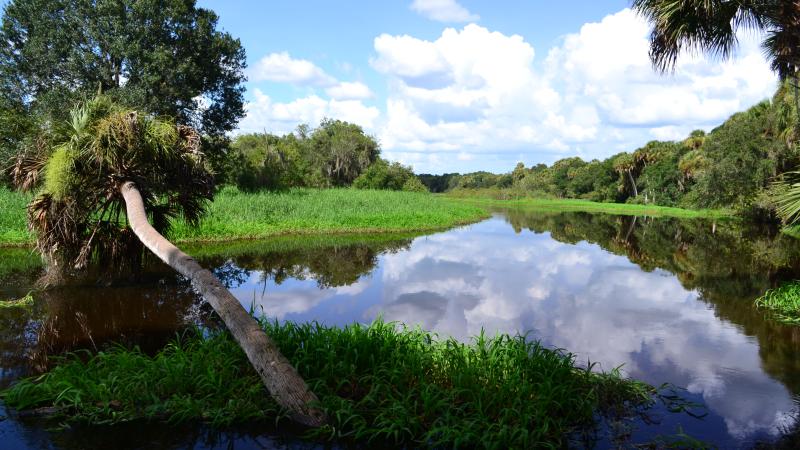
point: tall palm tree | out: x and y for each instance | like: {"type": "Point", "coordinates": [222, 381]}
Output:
{"type": "Point", "coordinates": [113, 171]}
{"type": "Point", "coordinates": [626, 164]}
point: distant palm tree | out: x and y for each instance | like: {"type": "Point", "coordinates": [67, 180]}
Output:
{"type": "Point", "coordinates": [110, 169]}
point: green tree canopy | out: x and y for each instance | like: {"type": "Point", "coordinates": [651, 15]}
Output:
{"type": "Point", "coordinates": [164, 57]}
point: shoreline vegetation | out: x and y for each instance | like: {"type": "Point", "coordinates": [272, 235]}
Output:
{"type": "Point", "coordinates": [236, 215]}
{"type": "Point", "coordinates": [782, 304]}
{"type": "Point", "coordinates": [381, 382]}
{"type": "Point", "coordinates": [512, 199]}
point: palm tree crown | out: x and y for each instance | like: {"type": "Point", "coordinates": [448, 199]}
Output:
{"type": "Point", "coordinates": [78, 212]}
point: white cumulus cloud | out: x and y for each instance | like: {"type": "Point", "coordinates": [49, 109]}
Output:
{"type": "Point", "coordinates": [347, 90]}
{"type": "Point", "coordinates": [265, 114]}
{"type": "Point", "coordinates": [443, 11]}
{"type": "Point", "coordinates": [282, 68]}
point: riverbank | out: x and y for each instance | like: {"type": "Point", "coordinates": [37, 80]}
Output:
{"type": "Point", "coordinates": [497, 198]}
{"type": "Point", "coordinates": [238, 215]}
{"type": "Point", "coordinates": [378, 383]}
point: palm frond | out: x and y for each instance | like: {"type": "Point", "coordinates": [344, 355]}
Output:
{"type": "Point", "coordinates": [78, 215]}
{"type": "Point", "coordinates": [786, 194]}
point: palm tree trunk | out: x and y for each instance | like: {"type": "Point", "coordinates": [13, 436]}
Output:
{"type": "Point", "coordinates": [633, 184]}
{"type": "Point", "coordinates": [281, 379]}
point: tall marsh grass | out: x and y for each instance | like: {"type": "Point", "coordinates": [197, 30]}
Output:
{"type": "Point", "coordinates": [379, 384]}
{"type": "Point", "coordinates": [238, 215]}
{"type": "Point", "coordinates": [235, 214]}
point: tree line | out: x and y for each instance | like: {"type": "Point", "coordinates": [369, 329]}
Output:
{"type": "Point", "coordinates": [737, 165]}
{"type": "Point", "coordinates": [335, 154]}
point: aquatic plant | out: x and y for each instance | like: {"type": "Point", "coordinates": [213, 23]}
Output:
{"type": "Point", "coordinates": [22, 302]}
{"type": "Point", "coordinates": [783, 303]}
{"type": "Point", "coordinates": [381, 383]}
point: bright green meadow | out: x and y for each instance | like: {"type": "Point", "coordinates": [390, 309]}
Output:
{"type": "Point", "coordinates": [506, 198]}
{"type": "Point", "coordinates": [238, 215]}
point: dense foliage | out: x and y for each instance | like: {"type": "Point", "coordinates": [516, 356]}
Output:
{"type": "Point", "coordinates": [163, 57]}
{"type": "Point", "coordinates": [379, 384]}
{"type": "Point", "coordinates": [335, 154]}
{"type": "Point", "coordinates": [735, 166]}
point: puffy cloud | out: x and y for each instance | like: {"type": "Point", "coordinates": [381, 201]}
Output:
{"type": "Point", "coordinates": [265, 114]}
{"type": "Point", "coordinates": [345, 103]}
{"type": "Point", "coordinates": [282, 68]}
{"type": "Point", "coordinates": [479, 91]}
{"type": "Point", "coordinates": [607, 64]}
{"type": "Point", "coordinates": [443, 11]}
{"type": "Point", "coordinates": [347, 90]}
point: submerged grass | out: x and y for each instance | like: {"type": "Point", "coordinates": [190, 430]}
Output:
{"type": "Point", "coordinates": [379, 384]}
{"type": "Point", "coordinates": [783, 303]}
{"type": "Point", "coordinates": [238, 215]}
{"type": "Point", "coordinates": [491, 198]}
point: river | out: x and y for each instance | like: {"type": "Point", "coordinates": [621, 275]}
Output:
{"type": "Point", "coordinates": [665, 300]}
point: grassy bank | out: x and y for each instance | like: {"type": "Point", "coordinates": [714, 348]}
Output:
{"type": "Point", "coordinates": [377, 383]}
{"type": "Point", "coordinates": [496, 198]}
{"type": "Point", "coordinates": [783, 303]}
{"type": "Point", "coordinates": [234, 214]}
{"type": "Point", "coordinates": [238, 215]}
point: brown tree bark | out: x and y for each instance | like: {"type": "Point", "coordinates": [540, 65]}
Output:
{"type": "Point", "coordinates": [281, 379]}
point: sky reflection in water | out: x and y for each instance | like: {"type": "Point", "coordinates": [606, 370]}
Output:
{"type": "Point", "coordinates": [576, 296]}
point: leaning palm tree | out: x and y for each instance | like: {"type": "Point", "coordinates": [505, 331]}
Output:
{"type": "Point", "coordinates": [110, 174]}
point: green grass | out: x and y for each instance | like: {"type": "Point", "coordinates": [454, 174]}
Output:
{"type": "Point", "coordinates": [238, 215]}
{"type": "Point", "coordinates": [235, 215]}
{"type": "Point", "coordinates": [562, 205]}
{"type": "Point", "coordinates": [13, 223]}
{"type": "Point", "coordinates": [783, 303]}
{"type": "Point", "coordinates": [379, 384]}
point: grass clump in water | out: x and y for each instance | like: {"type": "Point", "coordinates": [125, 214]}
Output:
{"type": "Point", "coordinates": [783, 302]}
{"type": "Point", "coordinates": [378, 383]}
{"type": "Point", "coordinates": [24, 302]}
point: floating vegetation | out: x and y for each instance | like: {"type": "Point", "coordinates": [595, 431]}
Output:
{"type": "Point", "coordinates": [24, 302]}
{"type": "Point", "coordinates": [381, 383]}
{"type": "Point", "coordinates": [783, 303]}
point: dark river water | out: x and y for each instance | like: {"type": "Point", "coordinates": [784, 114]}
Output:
{"type": "Point", "coordinates": [666, 300]}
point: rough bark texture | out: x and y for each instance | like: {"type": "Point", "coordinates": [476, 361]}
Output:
{"type": "Point", "coordinates": [280, 378]}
